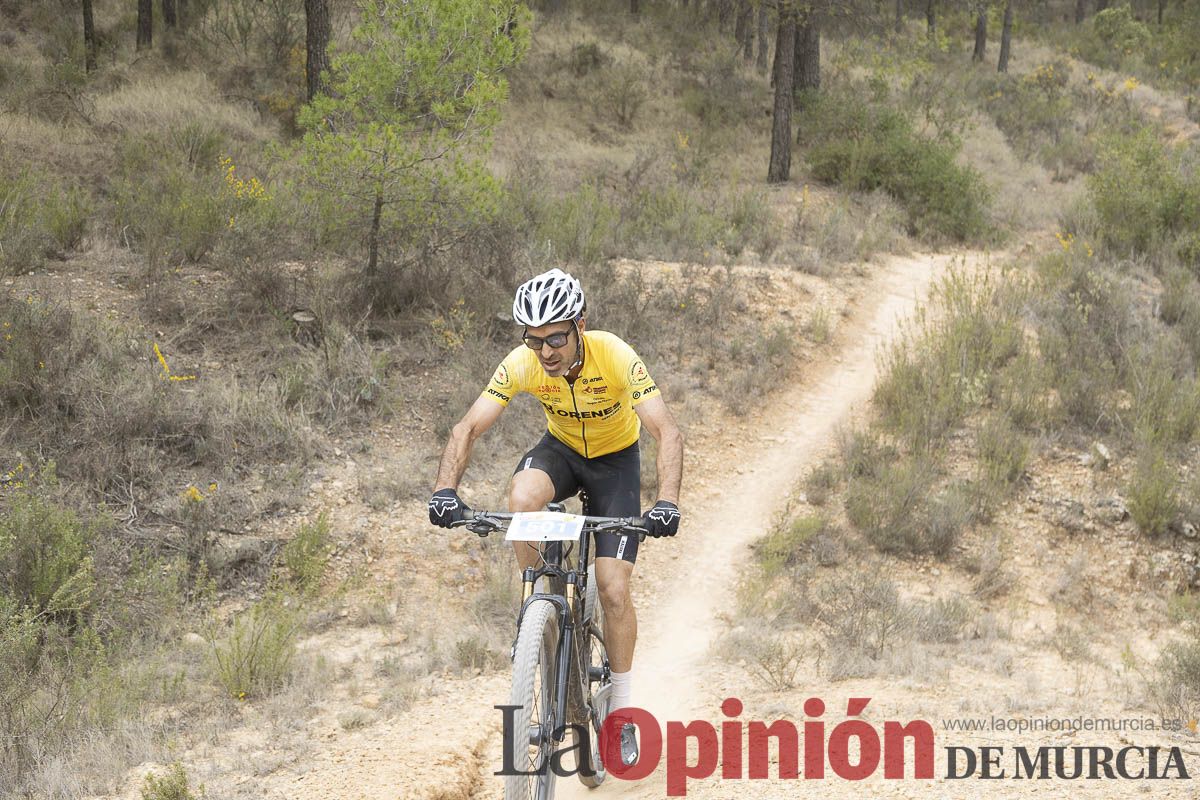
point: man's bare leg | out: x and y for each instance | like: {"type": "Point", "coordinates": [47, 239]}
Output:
{"type": "Point", "coordinates": [530, 490]}
{"type": "Point", "coordinates": [620, 618]}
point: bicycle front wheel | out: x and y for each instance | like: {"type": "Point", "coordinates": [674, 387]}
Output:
{"type": "Point", "coordinates": [600, 702]}
{"type": "Point", "coordinates": [533, 690]}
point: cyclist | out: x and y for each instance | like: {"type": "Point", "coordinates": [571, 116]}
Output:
{"type": "Point", "coordinates": [597, 394]}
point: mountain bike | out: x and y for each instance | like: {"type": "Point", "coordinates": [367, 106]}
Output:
{"type": "Point", "coordinates": [561, 679]}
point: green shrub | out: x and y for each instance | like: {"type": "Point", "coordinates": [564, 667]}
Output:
{"type": "Point", "coordinates": [864, 147]}
{"type": "Point", "coordinates": [941, 368]}
{"type": "Point", "coordinates": [1003, 451]}
{"type": "Point", "coordinates": [1144, 195]}
{"type": "Point", "coordinates": [177, 195]}
{"type": "Point", "coordinates": [1085, 320]}
{"type": "Point", "coordinates": [821, 481]}
{"type": "Point", "coordinates": [46, 553]}
{"type": "Point", "coordinates": [171, 786]}
{"type": "Point", "coordinates": [1120, 31]}
{"type": "Point", "coordinates": [307, 553]}
{"type": "Point", "coordinates": [585, 58]}
{"type": "Point", "coordinates": [253, 657]}
{"type": "Point", "coordinates": [784, 546]}
{"type": "Point", "coordinates": [1153, 493]}
{"type": "Point", "coordinates": [1175, 687]}
{"type": "Point", "coordinates": [1033, 110]}
{"type": "Point", "coordinates": [622, 91]}
{"type": "Point", "coordinates": [40, 216]}
{"type": "Point", "coordinates": [888, 507]}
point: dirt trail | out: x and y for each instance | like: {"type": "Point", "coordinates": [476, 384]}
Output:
{"type": "Point", "coordinates": [798, 428]}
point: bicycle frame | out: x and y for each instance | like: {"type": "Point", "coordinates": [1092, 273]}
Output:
{"type": "Point", "coordinates": [572, 699]}
{"type": "Point", "coordinates": [571, 607]}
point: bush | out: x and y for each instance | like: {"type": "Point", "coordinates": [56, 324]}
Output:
{"type": "Point", "coordinates": [784, 546]}
{"type": "Point", "coordinates": [1032, 109]}
{"type": "Point", "coordinates": [888, 506]}
{"type": "Point", "coordinates": [46, 554]}
{"type": "Point", "coordinates": [179, 196]}
{"type": "Point", "coordinates": [864, 147]}
{"type": "Point", "coordinates": [254, 656]}
{"type": "Point", "coordinates": [941, 368]}
{"type": "Point", "coordinates": [171, 786]}
{"type": "Point", "coordinates": [39, 217]}
{"type": "Point", "coordinates": [307, 553]}
{"type": "Point", "coordinates": [1153, 492]}
{"type": "Point", "coordinates": [1146, 198]}
{"type": "Point", "coordinates": [1120, 31]}
{"type": "Point", "coordinates": [1176, 685]}
{"type": "Point", "coordinates": [1003, 452]}
{"type": "Point", "coordinates": [585, 58]}
{"type": "Point", "coordinates": [622, 90]}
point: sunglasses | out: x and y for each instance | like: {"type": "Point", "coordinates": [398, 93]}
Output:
{"type": "Point", "coordinates": [555, 340]}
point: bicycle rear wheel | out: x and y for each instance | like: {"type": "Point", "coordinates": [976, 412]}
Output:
{"type": "Point", "coordinates": [531, 742]}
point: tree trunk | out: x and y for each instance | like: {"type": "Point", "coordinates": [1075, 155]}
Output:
{"type": "Point", "coordinates": [739, 22]}
{"type": "Point", "coordinates": [980, 33]}
{"type": "Point", "coordinates": [1006, 38]}
{"type": "Point", "coordinates": [930, 18]}
{"type": "Point", "coordinates": [723, 14]}
{"type": "Point", "coordinates": [748, 41]}
{"type": "Point", "coordinates": [763, 39]}
{"type": "Point", "coordinates": [899, 15]}
{"type": "Point", "coordinates": [1101, 5]}
{"type": "Point", "coordinates": [1080, 11]}
{"type": "Point", "coordinates": [89, 37]}
{"type": "Point", "coordinates": [316, 45]}
{"type": "Point", "coordinates": [1162, 6]}
{"type": "Point", "coordinates": [168, 12]}
{"type": "Point", "coordinates": [808, 55]}
{"type": "Point", "coordinates": [145, 24]}
{"type": "Point", "coordinates": [781, 125]}
{"type": "Point", "coordinates": [633, 7]}
{"type": "Point", "coordinates": [373, 237]}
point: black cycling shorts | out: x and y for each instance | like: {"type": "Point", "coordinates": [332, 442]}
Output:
{"type": "Point", "coordinates": [613, 484]}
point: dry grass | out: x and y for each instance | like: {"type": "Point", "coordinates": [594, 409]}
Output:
{"type": "Point", "coordinates": [172, 102]}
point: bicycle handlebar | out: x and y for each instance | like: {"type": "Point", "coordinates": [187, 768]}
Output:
{"type": "Point", "coordinates": [486, 522]}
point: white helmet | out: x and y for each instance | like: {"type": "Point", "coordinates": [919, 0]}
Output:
{"type": "Point", "coordinates": [553, 296]}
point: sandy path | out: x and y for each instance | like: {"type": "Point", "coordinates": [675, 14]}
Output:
{"type": "Point", "coordinates": [795, 431]}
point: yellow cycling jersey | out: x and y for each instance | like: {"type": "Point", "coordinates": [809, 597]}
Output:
{"type": "Point", "coordinates": [594, 415]}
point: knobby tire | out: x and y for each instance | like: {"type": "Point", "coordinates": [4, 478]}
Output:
{"type": "Point", "coordinates": [533, 690]}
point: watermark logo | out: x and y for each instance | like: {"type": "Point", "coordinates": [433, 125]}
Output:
{"type": "Point", "coordinates": [853, 750]}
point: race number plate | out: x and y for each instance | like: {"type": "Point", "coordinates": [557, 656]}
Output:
{"type": "Point", "coordinates": [544, 526]}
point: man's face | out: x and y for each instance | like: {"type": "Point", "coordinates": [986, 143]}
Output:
{"type": "Point", "coordinates": [554, 360]}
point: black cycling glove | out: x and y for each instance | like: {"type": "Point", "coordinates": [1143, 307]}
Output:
{"type": "Point", "coordinates": [446, 508]}
{"type": "Point", "coordinates": [663, 519]}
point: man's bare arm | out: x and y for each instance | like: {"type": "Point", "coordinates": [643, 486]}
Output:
{"type": "Point", "coordinates": [479, 417]}
{"type": "Point", "coordinates": [657, 418]}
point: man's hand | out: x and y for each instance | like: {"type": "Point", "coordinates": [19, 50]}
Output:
{"type": "Point", "coordinates": [663, 519]}
{"type": "Point", "coordinates": [446, 508]}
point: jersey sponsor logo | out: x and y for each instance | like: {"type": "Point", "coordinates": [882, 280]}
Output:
{"type": "Point", "coordinates": [501, 377]}
{"type": "Point", "coordinates": [598, 414]}
{"type": "Point", "coordinates": [595, 389]}
{"type": "Point", "coordinates": [503, 397]}
{"type": "Point", "coordinates": [548, 389]}
{"type": "Point", "coordinates": [621, 547]}
{"type": "Point", "coordinates": [596, 379]}
{"type": "Point", "coordinates": [638, 374]}
{"type": "Point", "coordinates": [645, 392]}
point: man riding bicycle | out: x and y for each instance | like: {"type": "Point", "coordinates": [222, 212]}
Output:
{"type": "Point", "coordinates": [597, 394]}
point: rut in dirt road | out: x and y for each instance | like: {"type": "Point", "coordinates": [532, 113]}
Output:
{"type": "Point", "coordinates": [725, 517]}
